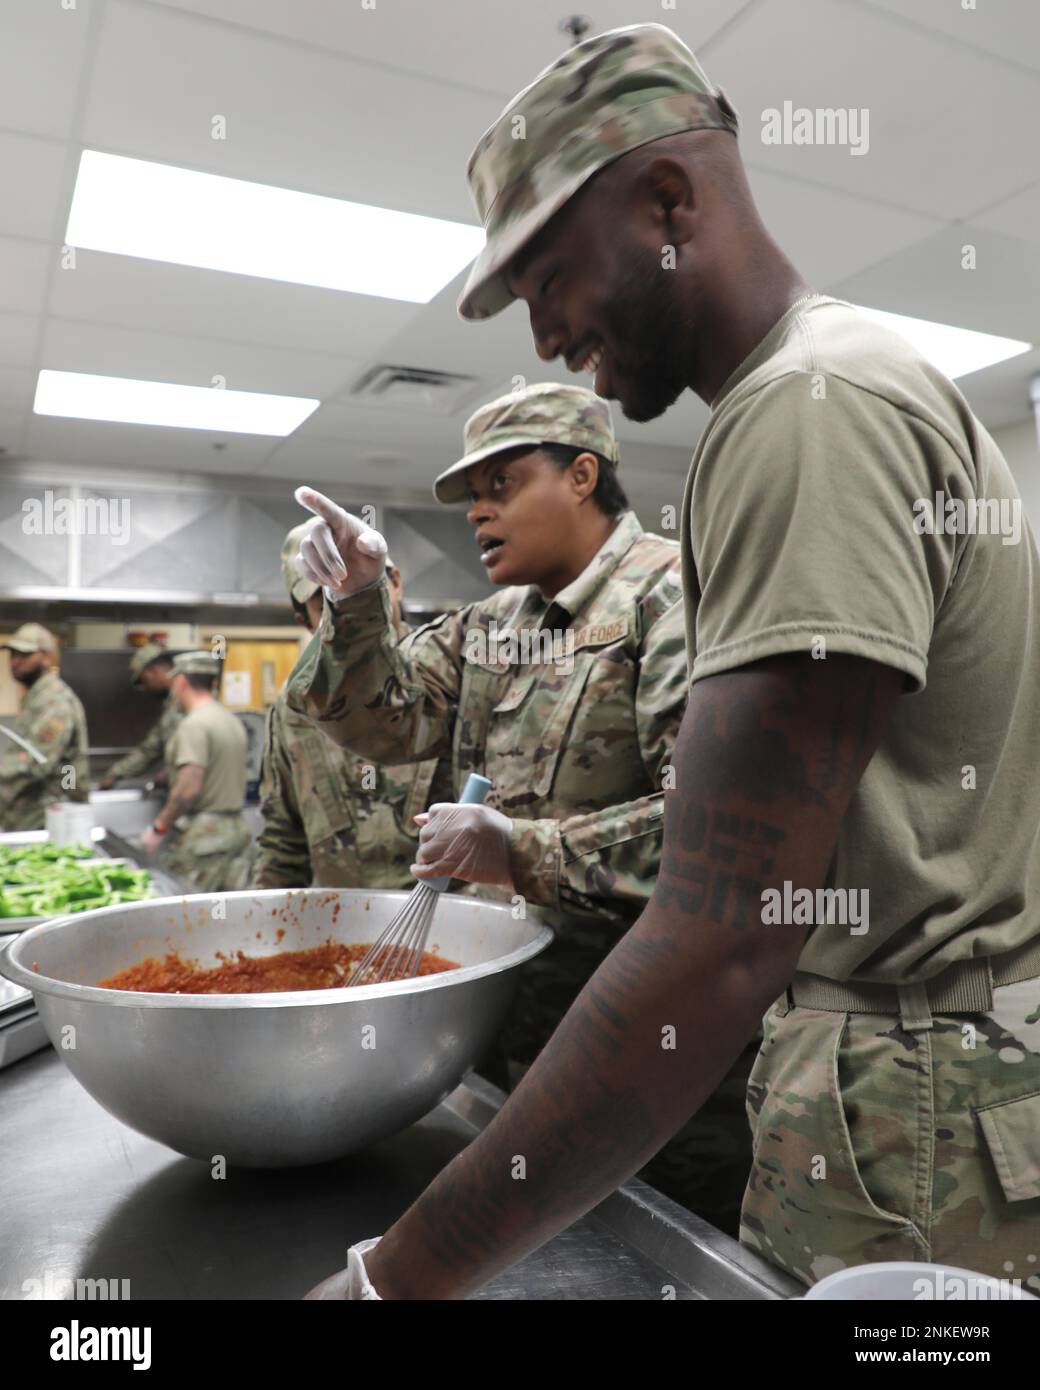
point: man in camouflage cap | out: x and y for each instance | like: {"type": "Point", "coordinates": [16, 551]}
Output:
{"type": "Point", "coordinates": [201, 833]}
{"type": "Point", "coordinates": [575, 736]}
{"type": "Point", "coordinates": [332, 818]}
{"type": "Point", "coordinates": [151, 671]}
{"type": "Point", "coordinates": [601, 99]}
{"type": "Point", "coordinates": [46, 759]}
{"type": "Point", "coordinates": [894, 1101]}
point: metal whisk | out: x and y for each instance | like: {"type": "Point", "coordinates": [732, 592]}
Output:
{"type": "Point", "coordinates": [398, 951]}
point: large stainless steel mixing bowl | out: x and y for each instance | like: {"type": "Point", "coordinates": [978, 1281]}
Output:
{"type": "Point", "coordinates": [270, 1080]}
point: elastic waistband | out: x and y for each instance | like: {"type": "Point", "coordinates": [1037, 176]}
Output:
{"type": "Point", "coordinates": [963, 988]}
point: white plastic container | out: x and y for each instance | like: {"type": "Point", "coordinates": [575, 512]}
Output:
{"type": "Point", "coordinates": [70, 823]}
{"type": "Point", "coordinates": [906, 1281]}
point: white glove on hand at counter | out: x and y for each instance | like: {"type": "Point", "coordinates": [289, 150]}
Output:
{"type": "Point", "coordinates": [340, 552]}
{"type": "Point", "coordinates": [351, 1284]}
{"type": "Point", "coordinates": [467, 842]}
{"type": "Point", "coordinates": [150, 840]}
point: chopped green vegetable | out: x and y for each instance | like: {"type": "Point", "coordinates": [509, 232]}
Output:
{"type": "Point", "coordinates": [46, 880]}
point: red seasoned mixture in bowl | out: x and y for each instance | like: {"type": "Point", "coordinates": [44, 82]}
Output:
{"type": "Point", "coordinates": [321, 967]}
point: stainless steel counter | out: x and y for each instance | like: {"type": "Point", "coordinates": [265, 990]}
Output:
{"type": "Point", "coordinates": [82, 1196]}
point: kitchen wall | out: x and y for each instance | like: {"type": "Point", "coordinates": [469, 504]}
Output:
{"type": "Point", "coordinates": [1020, 446]}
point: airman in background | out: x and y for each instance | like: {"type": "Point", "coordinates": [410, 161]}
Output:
{"type": "Point", "coordinates": [201, 833]}
{"type": "Point", "coordinates": [46, 759]}
{"type": "Point", "coordinates": [151, 671]}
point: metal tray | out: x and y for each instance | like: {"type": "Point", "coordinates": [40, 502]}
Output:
{"type": "Point", "coordinates": [108, 846]}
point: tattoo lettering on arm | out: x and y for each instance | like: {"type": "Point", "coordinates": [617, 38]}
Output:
{"type": "Point", "coordinates": [784, 738]}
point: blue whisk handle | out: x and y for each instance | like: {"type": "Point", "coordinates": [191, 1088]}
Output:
{"type": "Point", "coordinates": [473, 794]}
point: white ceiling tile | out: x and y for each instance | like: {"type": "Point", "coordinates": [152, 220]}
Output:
{"type": "Point", "coordinates": [999, 395]}
{"type": "Point", "coordinates": [319, 461]}
{"type": "Point", "coordinates": [36, 169]}
{"type": "Point", "coordinates": [76, 346]}
{"type": "Point", "coordinates": [202, 303]}
{"type": "Point", "coordinates": [18, 339]}
{"type": "Point", "coordinates": [371, 426]}
{"type": "Point", "coordinates": [295, 117]}
{"type": "Point", "coordinates": [829, 234]}
{"type": "Point", "coordinates": [40, 59]}
{"type": "Point", "coordinates": [927, 281]}
{"type": "Point", "coordinates": [1018, 216]}
{"type": "Point", "coordinates": [1008, 29]}
{"type": "Point", "coordinates": [467, 42]}
{"type": "Point", "coordinates": [149, 448]}
{"type": "Point", "coordinates": [23, 275]}
{"type": "Point", "coordinates": [951, 129]}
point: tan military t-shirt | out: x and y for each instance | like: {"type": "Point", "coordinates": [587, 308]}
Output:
{"type": "Point", "coordinates": [804, 517]}
{"type": "Point", "coordinates": [211, 737]}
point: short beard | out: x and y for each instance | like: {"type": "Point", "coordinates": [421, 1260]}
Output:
{"type": "Point", "coordinates": [645, 317]}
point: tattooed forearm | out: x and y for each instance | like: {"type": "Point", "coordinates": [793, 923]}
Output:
{"type": "Point", "coordinates": [766, 762]}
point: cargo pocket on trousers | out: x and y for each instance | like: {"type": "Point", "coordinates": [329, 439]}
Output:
{"type": "Point", "coordinates": [1011, 1129]}
{"type": "Point", "coordinates": [851, 1162]}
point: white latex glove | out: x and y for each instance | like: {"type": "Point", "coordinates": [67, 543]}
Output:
{"type": "Point", "coordinates": [340, 553]}
{"type": "Point", "coordinates": [467, 842]}
{"type": "Point", "coordinates": [150, 840]}
{"type": "Point", "coordinates": [352, 1283]}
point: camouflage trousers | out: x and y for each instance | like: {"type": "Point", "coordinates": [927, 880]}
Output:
{"type": "Point", "coordinates": [213, 852]}
{"type": "Point", "coordinates": [874, 1143]}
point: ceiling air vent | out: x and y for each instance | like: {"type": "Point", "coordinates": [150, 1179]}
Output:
{"type": "Point", "coordinates": [413, 388]}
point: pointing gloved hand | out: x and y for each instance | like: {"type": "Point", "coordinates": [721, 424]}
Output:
{"type": "Point", "coordinates": [467, 842]}
{"type": "Point", "coordinates": [352, 1283]}
{"type": "Point", "coordinates": [340, 553]}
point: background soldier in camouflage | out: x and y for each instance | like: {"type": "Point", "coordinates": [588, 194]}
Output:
{"type": "Point", "coordinates": [576, 736]}
{"type": "Point", "coordinates": [332, 818]}
{"type": "Point", "coordinates": [201, 833]}
{"type": "Point", "coordinates": [625, 223]}
{"type": "Point", "coordinates": [150, 670]}
{"type": "Point", "coordinates": [51, 719]}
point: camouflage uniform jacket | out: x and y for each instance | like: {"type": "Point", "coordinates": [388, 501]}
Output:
{"type": "Point", "coordinates": [577, 756]}
{"type": "Point", "coordinates": [332, 818]}
{"type": "Point", "coordinates": [150, 753]}
{"type": "Point", "coordinates": [52, 720]}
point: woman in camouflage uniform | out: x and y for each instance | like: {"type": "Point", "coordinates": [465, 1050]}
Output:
{"type": "Point", "coordinates": [566, 688]}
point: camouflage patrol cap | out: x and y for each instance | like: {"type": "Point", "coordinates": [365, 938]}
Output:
{"type": "Point", "coordinates": [602, 98]}
{"type": "Point", "coordinates": [144, 656]}
{"type": "Point", "coordinates": [31, 637]}
{"type": "Point", "coordinates": [196, 664]}
{"type": "Point", "coordinates": [296, 586]}
{"type": "Point", "coordinates": [546, 413]}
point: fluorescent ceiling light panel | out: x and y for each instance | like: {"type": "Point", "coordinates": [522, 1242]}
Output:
{"type": "Point", "coordinates": [122, 400]}
{"type": "Point", "coordinates": [955, 351]}
{"type": "Point", "coordinates": [132, 207]}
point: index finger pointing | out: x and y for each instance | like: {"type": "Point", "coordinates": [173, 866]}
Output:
{"type": "Point", "coordinates": [320, 505]}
